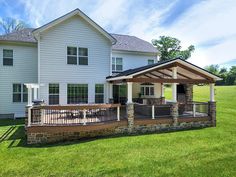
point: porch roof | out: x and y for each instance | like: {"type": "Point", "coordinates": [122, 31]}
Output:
{"type": "Point", "coordinates": [162, 72]}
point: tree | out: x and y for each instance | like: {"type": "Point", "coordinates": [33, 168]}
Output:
{"type": "Point", "coordinates": [214, 69]}
{"type": "Point", "coordinates": [9, 25]}
{"type": "Point", "coordinates": [231, 77]}
{"type": "Point", "coordinates": [170, 48]}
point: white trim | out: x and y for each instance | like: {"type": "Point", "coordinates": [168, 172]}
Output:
{"type": "Point", "coordinates": [135, 52]}
{"type": "Point", "coordinates": [129, 92]}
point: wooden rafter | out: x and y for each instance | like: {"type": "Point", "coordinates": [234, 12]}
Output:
{"type": "Point", "coordinates": [178, 73]}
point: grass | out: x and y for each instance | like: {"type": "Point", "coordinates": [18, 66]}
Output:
{"type": "Point", "coordinates": [203, 152]}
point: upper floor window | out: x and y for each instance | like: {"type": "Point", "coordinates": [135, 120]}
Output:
{"type": "Point", "coordinates": [72, 55]}
{"type": "Point", "coordinates": [117, 64]}
{"type": "Point", "coordinates": [53, 94]}
{"type": "Point", "coordinates": [150, 61]}
{"type": "Point", "coordinates": [147, 89]}
{"type": "Point", "coordinates": [99, 93]}
{"type": "Point", "coordinates": [83, 56]}
{"type": "Point", "coordinates": [7, 57]}
{"type": "Point", "coordinates": [19, 94]}
{"type": "Point", "coordinates": [77, 56]}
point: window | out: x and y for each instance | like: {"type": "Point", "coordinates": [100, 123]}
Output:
{"type": "Point", "coordinates": [7, 57]}
{"type": "Point", "coordinates": [16, 93]}
{"type": "Point", "coordinates": [25, 93]}
{"type": "Point", "coordinates": [150, 61]}
{"type": "Point", "coordinates": [99, 93]}
{"type": "Point", "coordinates": [75, 57]}
{"type": "Point", "coordinates": [72, 55]}
{"type": "Point", "coordinates": [83, 56]}
{"type": "Point", "coordinates": [53, 94]}
{"type": "Point", "coordinates": [77, 93]}
{"type": "Point", "coordinates": [147, 89]}
{"type": "Point", "coordinates": [117, 64]}
{"type": "Point", "coordinates": [19, 94]}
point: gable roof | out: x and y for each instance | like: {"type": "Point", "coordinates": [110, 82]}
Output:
{"type": "Point", "coordinates": [71, 14]}
{"type": "Point", "coordinates": [132, 72]}
{"type": "Point", "coordinates": [124, 42]}
{"type": "Point", "coordinates": [132, 43]}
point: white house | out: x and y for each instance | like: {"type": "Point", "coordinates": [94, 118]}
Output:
{"type": "Point", "coordinates": [73, 60]}
{"type": "Point", "coordinates": [69, 58]}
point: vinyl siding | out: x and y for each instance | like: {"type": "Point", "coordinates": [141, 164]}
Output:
{"type": "Point", "coordinates": [24, 70]}
{"type": "Point", "coordinates": [133, 60]}
{"type": "Point", "coordinates": [53, 58]}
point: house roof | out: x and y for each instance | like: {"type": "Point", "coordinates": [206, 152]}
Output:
{"type": "Point", "coordinates": [132, 43]}
{"type": "Point", "coordinates": [24, 35]}
{"type": "Point", "coordinates": [120, 42]}
{"type": "Point", "coordinates": [124, 42]}
{"type": "Point", "coordinates": [144, 69]}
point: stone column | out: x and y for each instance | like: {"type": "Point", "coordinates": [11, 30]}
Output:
{"type": "Point", "coordinates": [189, 93]}
{"type": "Point", "coordinates": [212, 112]}
{"type": "Point", "coordinates": [174, 112]}
{"type": "Point", "coordinates": [130, 116]}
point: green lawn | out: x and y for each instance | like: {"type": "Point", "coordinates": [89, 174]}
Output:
{"type": "Point", "coordinates": [204, 152]}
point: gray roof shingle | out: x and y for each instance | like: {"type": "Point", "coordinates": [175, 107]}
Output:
{"type": "Point", "coordinates": [24, 35]}
{"type": "Point", "coordinates": [124, 42]}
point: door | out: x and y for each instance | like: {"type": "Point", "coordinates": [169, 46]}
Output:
{"type": "Point", "coordinates": [120, 94]}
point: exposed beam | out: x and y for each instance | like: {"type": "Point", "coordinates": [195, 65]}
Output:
{"type": "Point", "coordinates": [154, 75]}
{"type": "Point", "coordinates": [178, 73]}
{"type": "Point", "coordinates": [147, 75]}
{"type": "Point", "coordinates": [164, 73]}
{"type": "Point", "coordinates": [192, 81]}
{"type": "Point", "coordinates": [163, 67]}
{"type": "Point", "coordinates": [195, 72]}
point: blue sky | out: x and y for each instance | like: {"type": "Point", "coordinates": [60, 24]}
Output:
{"type": "Point", "coordinates": [207, 24]}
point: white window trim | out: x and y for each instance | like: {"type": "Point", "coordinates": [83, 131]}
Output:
{"type": "Point", "coordinates": [147, 87]}
{"type": "Point", "coordinates": [100, 93]}
{"type": "Point", "coordinates": [77, 55]}
{"type": "Point", "coordinates": [21, 94]}
{"type": "Point", "coordinates": [8, 57]}
{"type": "Point", "coordinates": [116, 64]}
{"type": "Point", "coordinates": [53, 94]}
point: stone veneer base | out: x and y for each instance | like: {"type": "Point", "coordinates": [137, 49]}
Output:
{"type": "Point", "coordinates": [52, 134]}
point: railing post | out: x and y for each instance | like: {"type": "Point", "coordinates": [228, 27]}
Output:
{"type": "Point", "coordinates": [84, 118]}
{"type": "Point", "coordinates": [194, 110]}
{"type": "Point", "coordinates": [29, 116]}
{"type": "Point", "coordinates": [130, 116]}
{"type": "Point", "coordinates": [118, 113]}
{"type": "Point", "coordinates": [174, 112]}
{"type": "Point", "coordinates": [153, 112]}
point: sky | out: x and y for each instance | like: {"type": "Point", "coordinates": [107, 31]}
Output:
{"type": "Point", "coordinates": [209, 25]}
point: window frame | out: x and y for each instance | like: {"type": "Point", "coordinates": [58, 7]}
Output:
{"type": "Point", "coordinates": [12, 58]}
{"type": "Point", "coordinates": [153, 61]}
{"type": "Point", "coordinates": [23, 93]}
{"type": "Point", "coordinates": [53, 94]}
{"type": "Point", "coordinates": [77, 96]}
{"type": "Point", "coordinates": [115, 64]}
{"type": "Point", "coordinates": [147, 88]}
{"type": "Point", "coordinates": [83, 56]}
{"type": "Point", "coordinates": [99, 94]}
{"type": "Point", "coordinates": [71, 55]}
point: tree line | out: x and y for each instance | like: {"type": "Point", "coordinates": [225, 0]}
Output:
{"type": "Point", "coordinates": [228, 75]}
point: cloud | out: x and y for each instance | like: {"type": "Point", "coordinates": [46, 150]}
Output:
{"type": "Point", "coordinates": [209, 25]}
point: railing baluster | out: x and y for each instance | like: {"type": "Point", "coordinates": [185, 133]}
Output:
{"type": "Point", "coordinates": [84, 114]}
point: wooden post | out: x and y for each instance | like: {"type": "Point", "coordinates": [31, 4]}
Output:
{"type": "Point", "coordinates": [212, 93]}
{"type": "Point", "coordinates": [153, 112]}
{"type": "Point", "coordinates": [118, 113]}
